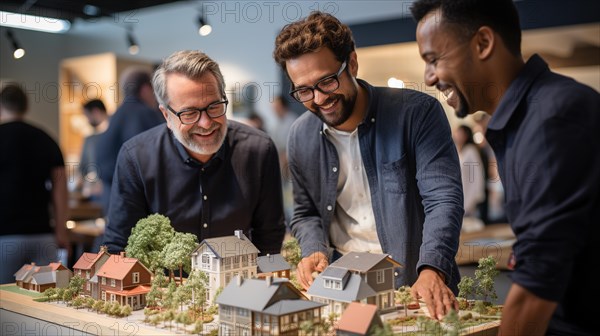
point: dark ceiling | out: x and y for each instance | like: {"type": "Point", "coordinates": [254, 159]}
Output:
{"type": "Point", "coordinates": [87, 9]}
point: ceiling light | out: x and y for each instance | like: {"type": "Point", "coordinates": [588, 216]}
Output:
{"type": "Point", "coordinates": [18, 52]}
{"type": "Point", "coordinates": [39, 23]}
{"type": "Point", "coordinates": [134, 48]}
{"type": "Point", "coordinates": [205, 28]}
{"type": "Point", "coordinates": [395, 83]}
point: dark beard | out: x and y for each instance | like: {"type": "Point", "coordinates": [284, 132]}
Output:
{"type": "Point", "coordinates": [343, 116]}
{"type": "Point", "coordinates": [463, 111]}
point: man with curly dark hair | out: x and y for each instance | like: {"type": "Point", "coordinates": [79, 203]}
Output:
{"type": "Point", "coordinates": [373, 169]}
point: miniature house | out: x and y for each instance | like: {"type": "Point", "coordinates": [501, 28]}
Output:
{"type": "Point", "coordinates": [223, 258]}
{"type": "Point", "coordinates": [359, 319]}
{"type": "Point", "coordinates": [356, 277]}
{"type": "Point", "coordinates": [273, 265]}
{"type": "Point", "coordinates": [264, 307]}
{"type": "Point", "coordinates": [124, 280]}
{"type": "Point", "coordinates": [87, 266]}
{"type": "Point", "coordinates": [40, 278]}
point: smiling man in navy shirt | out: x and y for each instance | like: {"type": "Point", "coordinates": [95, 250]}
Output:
{"type": "Point", "coordinates": [544, 131]}
{"type": "Point", "coordinates": [210, 176]}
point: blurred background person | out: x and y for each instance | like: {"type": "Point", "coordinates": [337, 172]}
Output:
{"type": "Point", "coordinates": [90, 184]}
{"type": "Point", "coordinates": [473, 177]}
{"type": "Point", "coordinates": [138, 112]}
{"type": "Point", "coordinates": [284, 118]}
{"type": "Point", "coordinates": [33, 177]}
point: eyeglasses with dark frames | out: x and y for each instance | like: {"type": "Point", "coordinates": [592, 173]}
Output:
{"type": "Point", "coordinates": [192, 115]}
{"type": "Point", "coordinates": [325, 85]}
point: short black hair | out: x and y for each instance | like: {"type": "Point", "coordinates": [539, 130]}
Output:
{"type": "Point", "coordinates": [467, 16]}
{"type": "Point", "coordinates": [94, 103]}
{"type": "Point", "coordinates": [14, 99]}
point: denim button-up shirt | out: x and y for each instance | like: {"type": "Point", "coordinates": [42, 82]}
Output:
{"type": "Point", "coordinates": [414, 176]}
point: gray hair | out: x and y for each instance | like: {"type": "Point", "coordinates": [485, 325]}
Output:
{"type": "Point", "coordinates": [190, 63]}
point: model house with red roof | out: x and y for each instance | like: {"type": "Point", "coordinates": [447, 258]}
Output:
{"type": "Point", "coordinates": [86, 267]}
{"type": "Point", "coordinates": [40, 278]}
{"type": "Point", "coordinates": [124, 280]}
{"type": "Point", "coordinates": [359, 319]}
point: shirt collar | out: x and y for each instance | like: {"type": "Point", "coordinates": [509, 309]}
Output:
{"type": "Point", "coordinates": [186, 158]}
{"type": "Point", "coordinates": [517, 91]}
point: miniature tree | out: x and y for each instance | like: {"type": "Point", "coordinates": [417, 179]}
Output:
{"type": "Point", "coordinates": [89, 303]}
{"type": "Point", "coordinates": [126, 310]}
{"type": "Point", "coordinates": [307, 327]}
{"type": "Point", "coordinates": [404, 297]}
{"type": "Point", "coordinates": [169, 300]}
{"type": "Point", "coordinates": [76, 284]}
{"type": "Point", "coordinates": [466, 289]}
{"type": "Point", "coordinates": [148, 238]}
{"type": "Point", "coordinates": [485, 274]}
{"type": "Point", "coordinates": [385, 330]}
{"type": "Point", "coordinates": [198, 327]}
{"type": "Point", "coordinates": [291, 252]}
{"type": "Point", "coordinates": [67, 295]}
{"type": "Point", "coordinates": [452, 323]}
{"type": "Point", "coordinates": [197, 282]}
{"type": "Point", "coordinates": [98, 306]}
{"type": "Point", "coordinates": [154, 296]}
{"type": "Point", "coordinates": [177, 253]}
{"type": "Point", "coordinates": [78, 302]}
{"type": "Point", "coordinates": [50, 293]}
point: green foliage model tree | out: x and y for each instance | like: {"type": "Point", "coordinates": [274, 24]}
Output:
{"type": "Point", "coordinates": [177, 253]}
{"type": "Point", "coordinates": [385, 330]}
{"type": "Point", "coordinates": [169, 299]}
{"type": "Point", "coordinates": [197, 283]}
{"type": "Point", "coordinates": [76, 284]}
{"type": "Point", "coordinates": [291, 252]}
{"type": "Point", "coordinates": [154, 296]}
{"type": "Point", "coordinates": [485, 274]}
{"type": "Point", "coordinates": [148, 238]}
{"type": "Point", "coordinates": [404, 297]}
{"type": "Point", "coordinates": [466, 288]}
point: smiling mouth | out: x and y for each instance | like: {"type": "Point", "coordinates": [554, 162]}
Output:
{"type": "Point", "coordinates": [327, 107]}
{"type": "Point", "coordinates": [448, 93]}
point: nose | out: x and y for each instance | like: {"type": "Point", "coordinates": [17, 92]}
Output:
{"type": "Point", "coordinates": [320, 97]}
{"type": "Point", "coordinates": [430, 77]}
{"type": "Point", "coordinates": [205, 121]}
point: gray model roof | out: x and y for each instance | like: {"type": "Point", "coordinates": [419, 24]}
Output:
{"type": "Point", "coordinates": [355, 290]}
{"type": "Point", "coordinates": [24, 271]}
{"type": "Point", "coordinates": [253, 294]}
{"type": "Point", "coordinates": [335, 273]}
{"type": "Point", "coordinates": [44, 278]}
{"type": "Point", "coordinates": [93, 279]}
{"type": "Point", "coordinates": [228, 246]}
{"type": "Point", "coordinates": [362, 261]}
{"type": "Point", "coordinates": [272, 263]}
{"type": "Point", "coordinates": [285, 307]}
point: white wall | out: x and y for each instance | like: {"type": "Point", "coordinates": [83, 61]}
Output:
{"type": "Point", "coordinates": [241, 42]}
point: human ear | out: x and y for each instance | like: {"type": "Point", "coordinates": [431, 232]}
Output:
{"type": "Point", "coordinates": [485, 40]}
{"type": "Point", "coordinates": [353, 64]}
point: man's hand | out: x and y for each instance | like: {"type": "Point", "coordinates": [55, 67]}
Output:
{"type": "Point", "coordinates": [431, 288]}
{"type": "Point", "coordinates": [314, 262]}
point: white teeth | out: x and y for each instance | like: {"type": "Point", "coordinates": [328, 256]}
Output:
{"type": "Point", "coordinates": [448, 93]}
{"type": "Point", "coordinates": [329, 105]}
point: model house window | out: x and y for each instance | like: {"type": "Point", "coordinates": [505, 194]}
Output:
{"type": "Point", "coordinates": [327, 283]}
{"type": "Point", "coordinates": [252, 259]}
{"type": "Point", "coordinates": [87, 274]}
{"type": "Point", "coordinates": [88, 287]}
{"type": "Point", "coordinates": [227, 278]}
{"type": "Point", "coordinates": [227, 263]}
{"type": "Point", "coordinates": [103, 280]}
{"type": "Point", "coordinates": [136, 277]}
{"type": "Point", "coordinates": [380, 276]}
{"type": "Point", "coordinates": [112, 297]}
{"type": "Point", "coordinates": [113, 283]}
{"type": "Point", "coordinates": [236, 261]}
{"type": "Point", "coordinates": [226, 311]}
{"type": "Point", "coordinates": [205, 261]}
{"type": "Point", "coordinates": [242, 312]}
{"type": "Point", "coordinates": [244, 260]}
{"type": "Point", "coordinates": [103, 296]}
{"type": "Point", "coordinates": [337, 284]}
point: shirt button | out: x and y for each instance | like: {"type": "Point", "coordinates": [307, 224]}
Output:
{"type": "Point", "coordinates": [205, 197]}
{"type": "Point", "coordinates": [329, 208]}
{"type": "Point", "coordinates": [395, 273]}
{"type": "Point", "coordinates": [355, 167]}
{"type": "Point", "coordinates": [321, 132]}
{"type": "Point", "coordinates": [372, 119]}
{"type": "Point", "coordinates": [334, 169]}
{"type": "Point", "coordinates": [205, 225]}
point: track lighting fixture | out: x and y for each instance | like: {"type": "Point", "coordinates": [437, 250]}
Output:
{"type": "Point", "coordinates": [134, 48]}
{"type": "Point", "coordinates": [18, 52]}
{"type": "Point", "coordinates": [203, 27]}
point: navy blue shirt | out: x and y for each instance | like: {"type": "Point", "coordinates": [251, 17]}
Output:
{"type": "Point", "coordinates": [131, 118]}
{"type": "Point", "coordinates": [238, 188]}
{"type": "Point", "coordinates": [414, 178]}
{"type": "Point", "coordinates": [546, 135]}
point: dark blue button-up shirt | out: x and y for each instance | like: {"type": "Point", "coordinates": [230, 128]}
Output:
{"type": "Point", "coordinates": [546, 135]}
{"type": "Point", "coordinates": [414, 178]}
{"type": "Point", "coordinates": [239, 188]}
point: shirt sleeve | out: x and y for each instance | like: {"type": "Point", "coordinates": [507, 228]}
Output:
{"type": "Point", "coordinates": [557, 183]}
{"type": "Point", "coordinates": [440, 186]}
{"type": "Point", "coordinates": [267, 222]}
